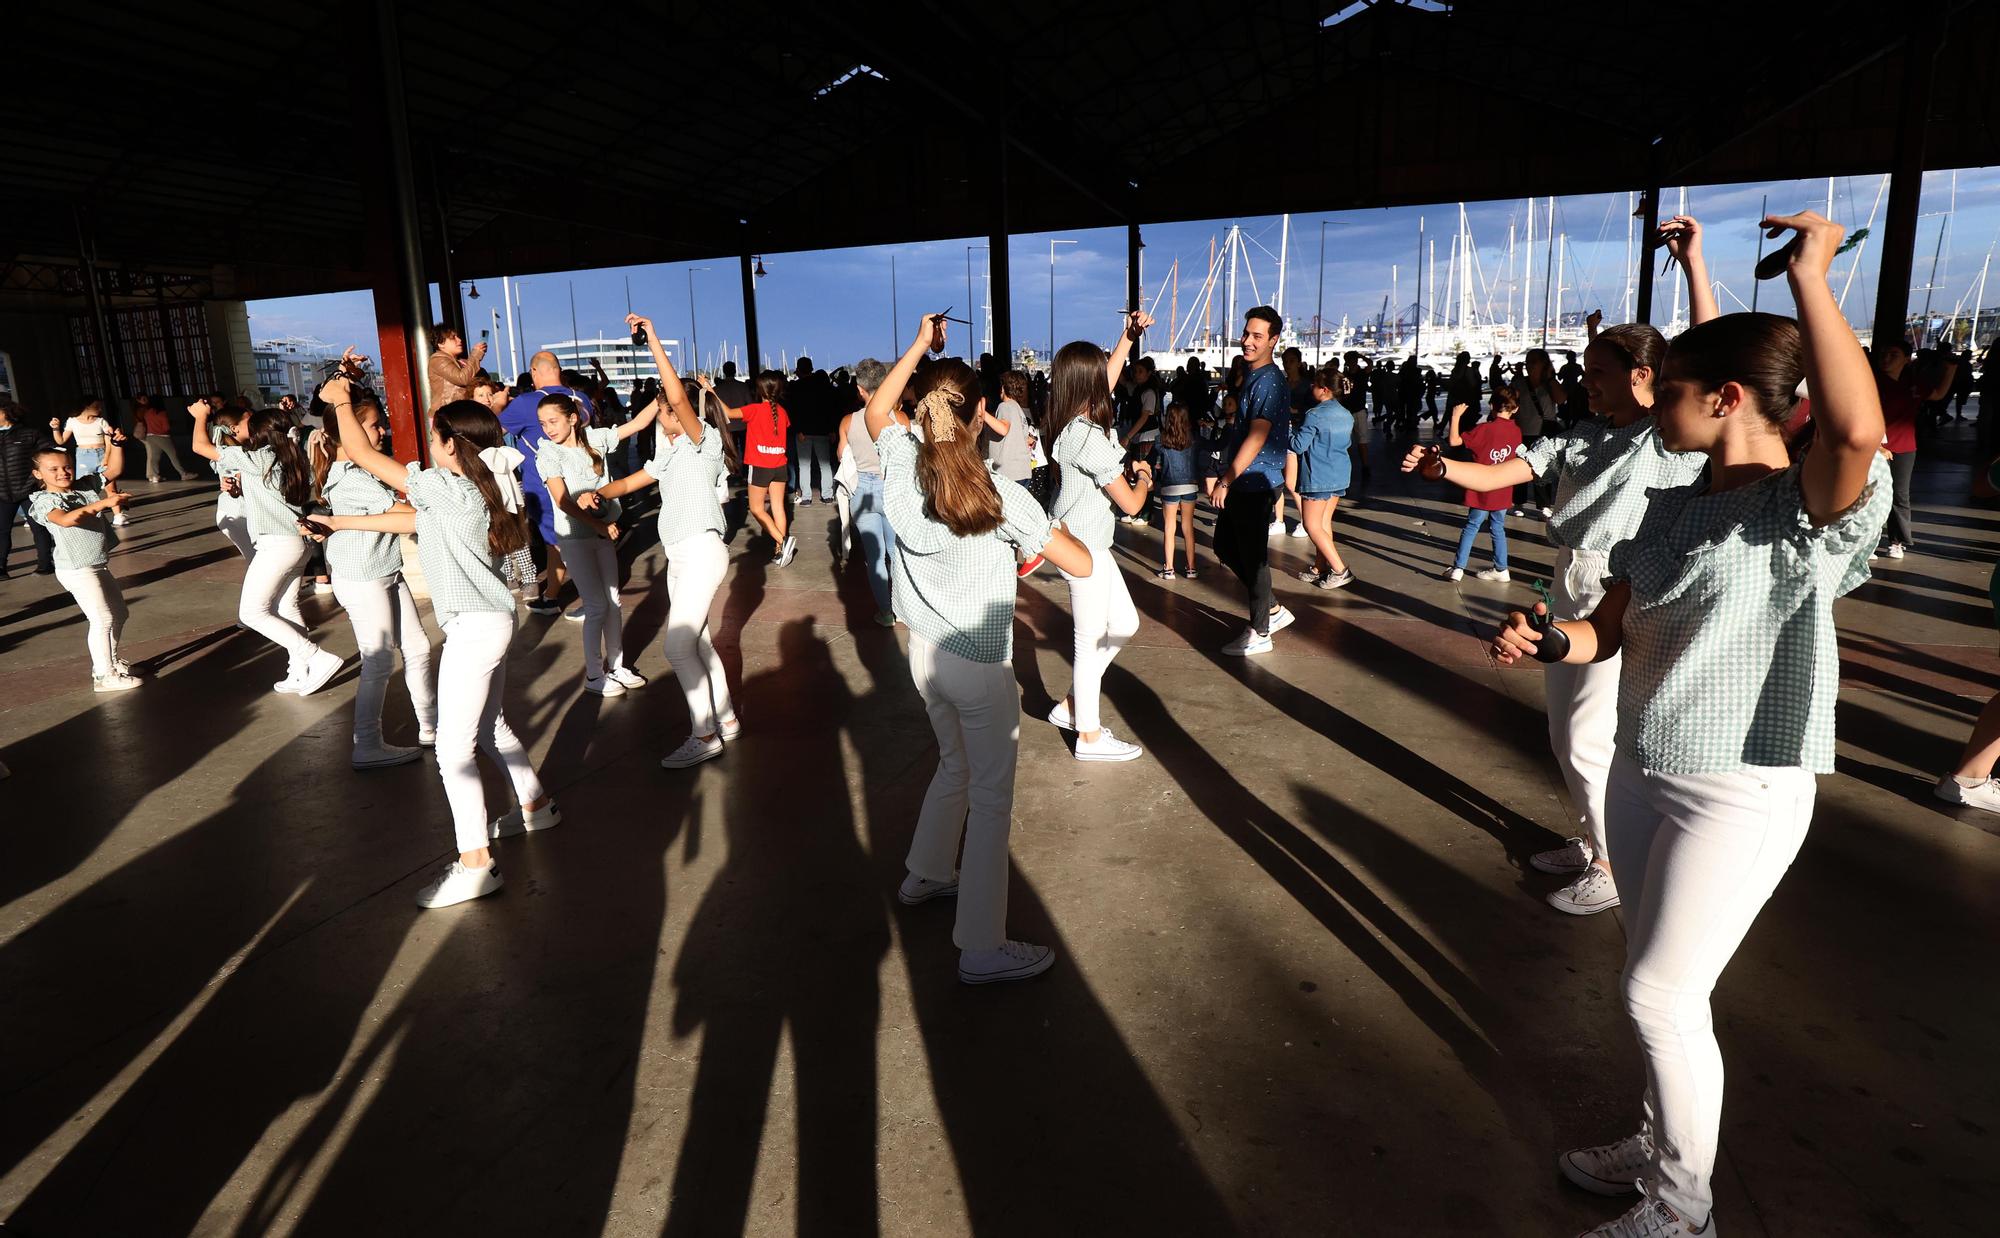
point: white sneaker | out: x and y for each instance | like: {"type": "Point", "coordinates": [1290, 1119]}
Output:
{"type": "Point", "coordinates": [1299, 530]}
{"type": "Point", "coordinates": [322, 586]}
{"type": "Point", "coordinates": [1277, 528]}
{"type": "Point", "coordinates": [427, 737]}
{"type": "Point", "coordinates": [1651, 1218]}
{"type": "Point", "coordinates": [1608, 1169]}
{"type": "Point", "coordinates": [626, 676]}
{"type": "Point", "coordinates": [1548, 513]}
{"type": "Point", "coordinates": [381, 756]}
{"type": "Point", "coordinates": [124, 668]}
{"type": "Point", "coordinates": [603, 685]}
{"type": "Point", "coordinates": [1281, 619]}
{"type": "Point", "coordinates": [1593, 891]}
{"type": "Point", "coordinates": [1335, 580]}
{"type": "Point", "coordinates": [917, 889]}
{"type": "Point", "coordinates": [1457, 573]}
{"type": "Point", "coordinates": [319, 668]}
{"type": "Point", "coordinates": [1984, 795]}
{"type": "Point", "coordinates": [515, 821]}
{"type": "Point", "coordinates": [459, 884]}
{"type": "Point", "coordinates": [1248, 645]}
{"type": "Point", "coordinates": [120, 520]}
{"type": "Point", "coordinates": [1572, 857]}
{"type": "Point", "coordinates": [1014, 960]}
{"type": "Point", "coordinates": [804, 500]}
{"type": "Point", "coordinates": [1495, 573]}
{"type": "Point", "coordinates": [1309, 575]}
{"type": "Point", "coordinates": [693, 751]}
{"type": "Point", "coordinates": [1059, 715]}
{"type": "Point", "coordinates": [114, 681]}
{"type": "Point", "coordinates": [1896, 550]}
{"type": "Point", "coordinates": [1106, 747]}
{"type": "Point", "coordinates": [788, 551]}
{"type": "Point", "coordinates": [575, 613]}
{"type": "Point", "coordinates": [731, 727]}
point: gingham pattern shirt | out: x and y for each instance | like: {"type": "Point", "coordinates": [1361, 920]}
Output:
{"type": "Point", "coordinates": [572, 465]}
{"type": "Point", "coordinates": [463, 574]}
{"type": "Point", "coordinates": [264, 503]}
{"type": "Point", "coordinates": [82, 545]}
{"type": "Point", "coordinates": [955, 592]}
{"type": "Point", "coordinates": [1091, 460]}
{"type": "Point", "coordinates": [356, 554]}
{"type": "Point", "coordinates": [227, 505]}
{"type": "Point", "coordinates": [1605, 476]}
{"type": "Point", "coordinates": [1730, 656]}
{"type": "Point", "coordinates": [686, 473]}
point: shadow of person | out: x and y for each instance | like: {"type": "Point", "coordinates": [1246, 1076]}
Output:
{"type": "Point", "coordinates": [1054, 1126]}
{"type": "Point", "coordinates": [788, 940]}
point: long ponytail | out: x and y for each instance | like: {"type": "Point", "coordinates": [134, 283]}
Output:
{"type": "Point", "coordinates": [575, 414]}
{"type": "Point", "coordinates": [472, 428]}
{"type": "Point", "coordinates": [273, 429]}
{"type": "Point", "coordinates": [958, 487]}
{"type": "Point", "coordinates": [717, 416]}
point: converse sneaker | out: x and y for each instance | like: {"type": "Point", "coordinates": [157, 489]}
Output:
{"type": "Point", "coordinates": [1299, 530]}
{"type": "Point", "coordinates": [113, 681]}
{"type": "Point", "coordinates": [1277, 528]}
{"type": "Point", "coordinates": [1013, 960]}
{"type": "Point", "coordinates": [544, 606]}
{"type": "Point", "coordinates": [1060, 716]}
{"type": "Point", "coordinates": [1593, 891]}
{"type": "Point", "coordinates": [575, 614]}
{"type": "Point", "coordinates": [693, 751]}
{"type": "Point", "coordinates": [1335, 580]}
{"type": "Point", "coordinates": [804, 500]}
{"type": "Point", "coordinates": [427, 737]}
{"type": "Point", "coordinates": [1985, 794]}
{"type": "Point", "coordinates": [520, 821]}
{"type": "Point", "coordinates": [1249, 644]}
{"type": "Point", "coordinates": [1652, 1218]}
{"type": "Point", "coordinates": [626, 676]}
{"type": "Point", "coordinates": [731, 727]}
{"type": "Point", "coordinates": [381, 756]}
{"type": "Point", "coordinates": [603, 685]}
{"type": "Point", "coordinates": [1106, 747]}
{"type": "Point", "coordinates": [1495, 573]}
{"type": "Point", "coordinates": [917, 889]}
{"type": "Point", "coordinates": [1608, 1169]}
{"type": "Point", "coordinates": [123, 668]}
{"type": "Point", "coordinates": [1310, 575]}
{"type": "Point", "coordinates": [1281, 618]}
{"type": "Point", "coordinates": [1572, 857]}
{"type": "Point", "coordinates": [459, 884]}
{"type": "Point", "coordinates": [1457, 573]}
{"type": "Point", "coordinates": [319, 668]}
{"type": "Point", "coordinates": [1896, 550]}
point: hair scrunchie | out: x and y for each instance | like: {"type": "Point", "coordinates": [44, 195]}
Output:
{"type": "Point", "coordinates": [938, 411]}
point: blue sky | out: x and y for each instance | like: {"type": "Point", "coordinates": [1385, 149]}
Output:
{"type": "Point", "coordinates": [836, 304]}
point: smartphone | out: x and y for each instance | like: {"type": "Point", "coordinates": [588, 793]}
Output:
{"type": "Point", "coordinates": [639, 336]}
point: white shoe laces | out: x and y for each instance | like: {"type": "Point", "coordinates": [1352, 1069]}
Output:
{"type": "Point", "coordinates": [1649, 1218]}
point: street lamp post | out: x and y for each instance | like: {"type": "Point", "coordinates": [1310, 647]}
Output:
{"type": "Point", "coordinates": [694, 336]}
{"type": "Point", "coordinates": [971, 344]}
{"type": "Point", "coordinates": [1053, 242]}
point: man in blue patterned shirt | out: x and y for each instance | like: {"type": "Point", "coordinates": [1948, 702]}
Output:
{"type": "Point", "coordinates": [1253, 476]}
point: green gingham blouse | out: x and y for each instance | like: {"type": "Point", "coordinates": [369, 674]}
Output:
{"type": "Point", "coordinates": [463, 574]}
{"type": "Point", "coordinates": [1605, 476]}
{"type": "Point", "coordinates": [79, 546]}
{"type": "Point", "coordinates": [686, 473]}
{"type": "Point", "coordinates": [357, 554]}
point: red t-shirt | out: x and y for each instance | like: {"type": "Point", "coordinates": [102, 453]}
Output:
{"type": "Point", "coordinates": [764, 427]}
{"type": "Point", "coordinates": [1492, 442]}
{"type": "Point", "coordinates": [1899, 408]}
{"type": "Point", "coordinates": [154, 420]}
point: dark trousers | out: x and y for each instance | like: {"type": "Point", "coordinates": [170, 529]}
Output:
{"type": "Point", "coordinates": [45, 546]}
{"type": "Point", "coordinates": [1242, 542]}
{"type": "Point", "coordinates": [1901, 466]}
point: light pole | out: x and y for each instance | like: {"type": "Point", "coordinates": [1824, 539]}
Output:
{"type": "Point", "coordinates": [971, 344]}
{"type": "Point", "coordinates": [1053, 242]}
{"type": "Point", "coordinates": [694, 336]}
{"type": "Point", "coordinates": [1319, 311]}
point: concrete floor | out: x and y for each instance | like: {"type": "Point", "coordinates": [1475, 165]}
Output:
{"type": "Point", "coordinates": [1307, 984]}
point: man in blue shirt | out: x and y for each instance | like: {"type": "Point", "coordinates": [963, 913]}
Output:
{"type": "Point", "coordinates": [1253, 476]}
{"type": "Point", "coordinates": [521, 420]}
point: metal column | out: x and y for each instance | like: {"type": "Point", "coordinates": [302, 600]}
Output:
{"type": "Point", "coordinates": [395, 247]}
{"type": "Point", "coordinates": [1642, 302]}
{"type": "Point", "coordinates": [451, 303]}
{"type": "Point", "coordinates": [996, 262]}
{"type": "Point", "coordinates": [1906, 180]}
{"type": "Point", "coordinates": [756, 358]}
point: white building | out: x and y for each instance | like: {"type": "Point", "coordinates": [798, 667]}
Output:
{"type": "Point", "coordinates": [291, 367]}
{"type": "Point", "coordinates": [624, 362]}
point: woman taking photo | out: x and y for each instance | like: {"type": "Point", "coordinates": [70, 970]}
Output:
{"type": "Point", "coordinates": [1712, 788]}
{"type": "Point", "coordinates": [959, 531]}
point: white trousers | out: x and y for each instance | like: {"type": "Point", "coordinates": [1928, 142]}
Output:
{"type": "Point", "coordinates": [1104, 618]}
{"type": "Point", "coordinates": [385, 618]}
{"type": "Point", "coordinates": [975, 709]}
{"type": "Point", "coordinates": [158, 445]}
{"type": "Point", "coordinates": [1698, 855]}
{"type": "Point", "coordinates": [593, 568]}
{"type": "Point", "coordinates": [96, 592]}
{"type": "Point", "coordinates": [695, 568]}
{"type": "Point", "coordinates": [270, 602]}
{"type": "Point", "coordinates": [472, 684]}
{"type": "Point", "coordinates": [1583, 700]}
{"type": "Point", "coordinates": [237, 530]}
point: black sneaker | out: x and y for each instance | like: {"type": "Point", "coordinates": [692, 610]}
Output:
{"type": "Point", "coordinates": [545, 606]}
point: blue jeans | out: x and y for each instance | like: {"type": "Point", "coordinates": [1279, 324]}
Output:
{"type": "Point", "coordinates": [1475, 518]}
{"type": "Point", "coordinates": [871, 529]}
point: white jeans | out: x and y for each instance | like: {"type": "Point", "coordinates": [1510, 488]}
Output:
{"type": "Point", "coordinates": [385, 618]}
{"type": "Point", "coordinates": [1698, 855]}
{"type": "Point", "coordinates": [472, 682]}
{"type": "Point", "coordinates": [270, 585]}
{"type": "Point", "coordinates": [695, 568]}
{"type": "Point", "coordinates": [237, 530]}
{"type": "Point", "coordinates": [593, 567]}
{"type": "Point", "coordinates": [158, 445]}
{"type": "Point", "coordinates": [975, 710]}
{"type": "Point", "coordinates": [96, 592]}
{"type": "Point", "coordinates": [1583, 699]}
{"type": "Point", "coordinates": [1105, 619]}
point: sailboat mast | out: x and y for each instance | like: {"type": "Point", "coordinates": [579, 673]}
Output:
{"type": "Point", "coordinates": [1562, 275]}
{"type": "Point", "coordinates": [1861, 249]}
{"type": "Point", "coordinates": [1208, 296]}
{"type": "Point", "coordinates": [1174, 306]}
{"type": "Point", "coordinates": [1549, 275]}
{"type": "Point", "coordinates": [1673, 323]}
{"type": "Point", "coordinates": [1630, 206]}
{"type": "Point", "coordinates": [1418, 314]}
{"type": "Point", "coordinates": [1234, 247]}
{"type": "Point", "coordinates": [1527, 273]}
{"type": "Point", "coordinates": [1284, 253]}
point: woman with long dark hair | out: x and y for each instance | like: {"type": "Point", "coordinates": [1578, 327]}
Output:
{"type": "Point", "coordinates": [766, 424]}
{"type": "Point", "coordinates": [959, 530]}
{"type": "Point", "coordinates": [1712, 788]}
{"type": "Point", "coordinates": [1092, 476]}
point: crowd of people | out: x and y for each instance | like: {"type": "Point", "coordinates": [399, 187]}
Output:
{"type": "Point", "coordinates": [1709, 499]}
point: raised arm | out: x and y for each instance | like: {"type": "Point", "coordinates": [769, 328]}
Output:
{"type": "Point", "coordinates": [672, 389]}
{"type": "Point", "coordinates": [1846, 410]}
{"type": "Point", "coordinates": [204, 446]}
{"type": "Point", "coordinates": [1136, 322]}
{"type": "Point", "coordinates": [338, 392]}
{"type": "Point", "coordinates": [1454, 438]}
{"type": "Point", "coordinates": [1682, 237]}
{"type": "Point", "coordinates": [639, 421]}
{"type": "Point", "coordinates": [882, 403]}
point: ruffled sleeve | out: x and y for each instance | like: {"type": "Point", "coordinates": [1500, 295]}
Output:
{"type": "Point", "coordinates": [1832, 556]}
